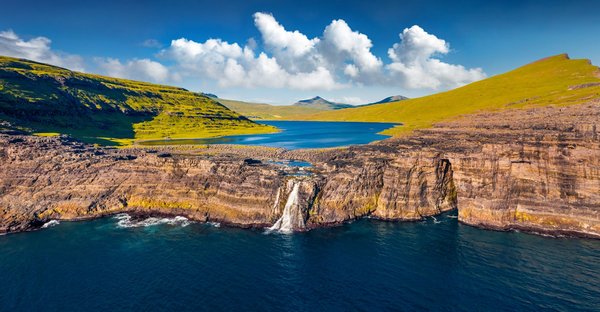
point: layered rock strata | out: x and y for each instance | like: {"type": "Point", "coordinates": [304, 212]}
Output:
{"type": "Point", "coordinates": [536, 169]}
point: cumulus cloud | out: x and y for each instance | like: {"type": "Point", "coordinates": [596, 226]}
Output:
{"type": "Point", "coordinates": [37, 49]}
{"type": "Point", "coordinates": [414, 62]}
{"type": "Point", "coordinates": [138, 69]}
{"type": "Point", "coordinates": [278, 38]}
{"type": "Point", "coordinates": [232, 65]}
{"type": "Point", "coordinates": [346, 44]}
{"type": "Point", "coordinates": [339, 58]}
{"type": "Point", "coordinates": [280, 58]}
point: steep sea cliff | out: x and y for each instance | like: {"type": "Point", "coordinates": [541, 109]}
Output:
{"type": "Point", "coordinates": [535, 169]}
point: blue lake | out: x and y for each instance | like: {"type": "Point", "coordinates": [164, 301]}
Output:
{"type": "Point", "coordinates": [301, 134]}
{"type": "Point", "coordinates": [367, 265]}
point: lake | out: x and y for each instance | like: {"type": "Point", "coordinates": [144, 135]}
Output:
{"type": "Point", "coordinates": [299, 134]}
{"type": "Point", "coordinates": [171, 264]}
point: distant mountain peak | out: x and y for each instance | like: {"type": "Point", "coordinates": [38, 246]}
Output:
{"type": "Point", "coordinates": [393, 98]}
{"type": "Point", "coordinates": [321, 103]}
{"type": "Point", "coordinates": [315, 99]}
{"type": "Point", "coordinates": [210, 95]}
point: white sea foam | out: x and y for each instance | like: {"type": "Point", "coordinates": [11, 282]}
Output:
{"type": "Point", "coordinates": [50, 223]}
{"type": "Point", "coordinates": [452, 217]}
{"type": "Point", "coordinates": [435, 220]}
{"type": "Point", "coordinates": [215, 224]}
{"type": "Point", "coordinates": [125, 221]}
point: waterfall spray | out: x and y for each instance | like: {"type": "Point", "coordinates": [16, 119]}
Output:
{"type": "Point", "coordinates": [292, 218]}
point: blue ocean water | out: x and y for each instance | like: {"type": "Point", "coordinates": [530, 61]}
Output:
{"type": "Point", "coordinates": [366, 265]}
{"type": "Point", "coordinates": [300, 134]}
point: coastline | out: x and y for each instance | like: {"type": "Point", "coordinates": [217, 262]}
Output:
{"type": "Point", "coordinates": [516, 170]}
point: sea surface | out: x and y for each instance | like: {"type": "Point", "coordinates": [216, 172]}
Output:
{"type": "Point", "coordinates": [121, 264]}
{"type": "Point", "coordinates": [300, 134]}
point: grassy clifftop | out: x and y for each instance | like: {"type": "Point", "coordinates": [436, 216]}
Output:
{"type": "Point", "coordinates": [556, 80]}
{"type": "Point", "coordinates": [47, 99]}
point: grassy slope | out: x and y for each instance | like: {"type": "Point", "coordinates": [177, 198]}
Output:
{"type": "Point", "coordinates": [48, 99]}
{"type": "Point", "coordinates": [260, 111]}
{"type": "Point", "coordinates": [545, 82]}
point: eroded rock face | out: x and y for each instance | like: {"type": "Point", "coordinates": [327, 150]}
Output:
{"type": "Point", "coordinates": [537, 170]}
{"type": "Point", "coordinates": [50, 178]}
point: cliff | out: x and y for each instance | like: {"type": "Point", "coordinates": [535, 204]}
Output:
{"type": "Point", "coordinates": [536, 169]}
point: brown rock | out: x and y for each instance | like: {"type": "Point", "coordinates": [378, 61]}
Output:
{"type": "Point", "coordinates": [536, 169]}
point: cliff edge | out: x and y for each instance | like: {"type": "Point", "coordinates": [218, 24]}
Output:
{"type": "Point", "coordinates": [535, 169]}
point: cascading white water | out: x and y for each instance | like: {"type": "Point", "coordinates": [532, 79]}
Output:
{"type": "Point", "coordinates": [291, 219]}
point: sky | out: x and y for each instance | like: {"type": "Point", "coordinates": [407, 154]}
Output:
{"type": "Point", "coordinates": [281, 51]}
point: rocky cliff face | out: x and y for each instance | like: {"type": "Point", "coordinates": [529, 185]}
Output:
{"type": "Point", "coordinates": [537, 170]}
{"type": "Point", "coordinates": [51, 178]}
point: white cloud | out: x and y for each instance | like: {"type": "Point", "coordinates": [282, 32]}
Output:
{"type": "Point", "coordinates": [353, 46]}
{"type": "Point", "coordinates": [293, 50]}
{"type": "Point", "coordinates": [232, 65]}
{"type": "Point", "coordinates": [351, 70]}
{"type": "Point", "coordinates": [37, 49]}
{"type": "Point", "coordinates": [138, 69]}
{"type": "Point", "coordinates": [414, 62]}
{"type": "Point", "coordinates": [341, 57]}
{"type": "Point", "coordinates": [279, 39]}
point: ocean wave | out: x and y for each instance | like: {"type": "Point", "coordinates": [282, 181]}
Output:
{"type": "Point", "coordinates": [215, 224]}
{"type": "Point", "coordinates": [125, 221]}
{"type": "Point", "coordinates": [50, 223]}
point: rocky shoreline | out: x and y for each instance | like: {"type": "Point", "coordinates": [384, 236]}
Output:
{"type": "Point", "coordinates": [536, 170]}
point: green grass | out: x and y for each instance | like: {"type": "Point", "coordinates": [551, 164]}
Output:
{"type": "Point", "coordinates": [556, 80]}
{"type": "Point", "coordinates": [41, 98]}
{"type": "Point", "coordinates": [260, 111]}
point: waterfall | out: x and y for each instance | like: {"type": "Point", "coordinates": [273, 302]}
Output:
{"type": "Point", "coordinates": [292, 218]}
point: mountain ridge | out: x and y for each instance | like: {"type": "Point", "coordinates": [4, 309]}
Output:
{"type": "Point", "coordinates": [318, 102]}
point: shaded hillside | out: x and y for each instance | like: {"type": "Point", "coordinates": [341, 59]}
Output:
{"type": "Point", "coordinates": [43, 98]}
{"type": "Point", "coordinates": [555, 80]}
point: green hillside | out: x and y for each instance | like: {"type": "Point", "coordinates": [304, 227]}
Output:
{"type": "Point", "coordinates": [260, 111]}
{"type": "Point", "coordinates": [556, 80]}
{"type": "Point", "coordinates": [45, 99]}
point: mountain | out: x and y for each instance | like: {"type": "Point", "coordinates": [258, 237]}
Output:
{"type": "Point", "coordinates": [393, 98]}
{"type": "Point", "coordinates": [41, 98]}
{"type": "Point", "coordinates": [210, 95]}
{"type": "Point", "coordinates": [555, 80]}
{"type": "Point", "coordinates": [262, 111]}
{"type": "Point", "coordinates": [321, 104]}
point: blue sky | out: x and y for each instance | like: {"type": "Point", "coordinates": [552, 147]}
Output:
{"type": "Point", "coordinates": [444, 44]}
